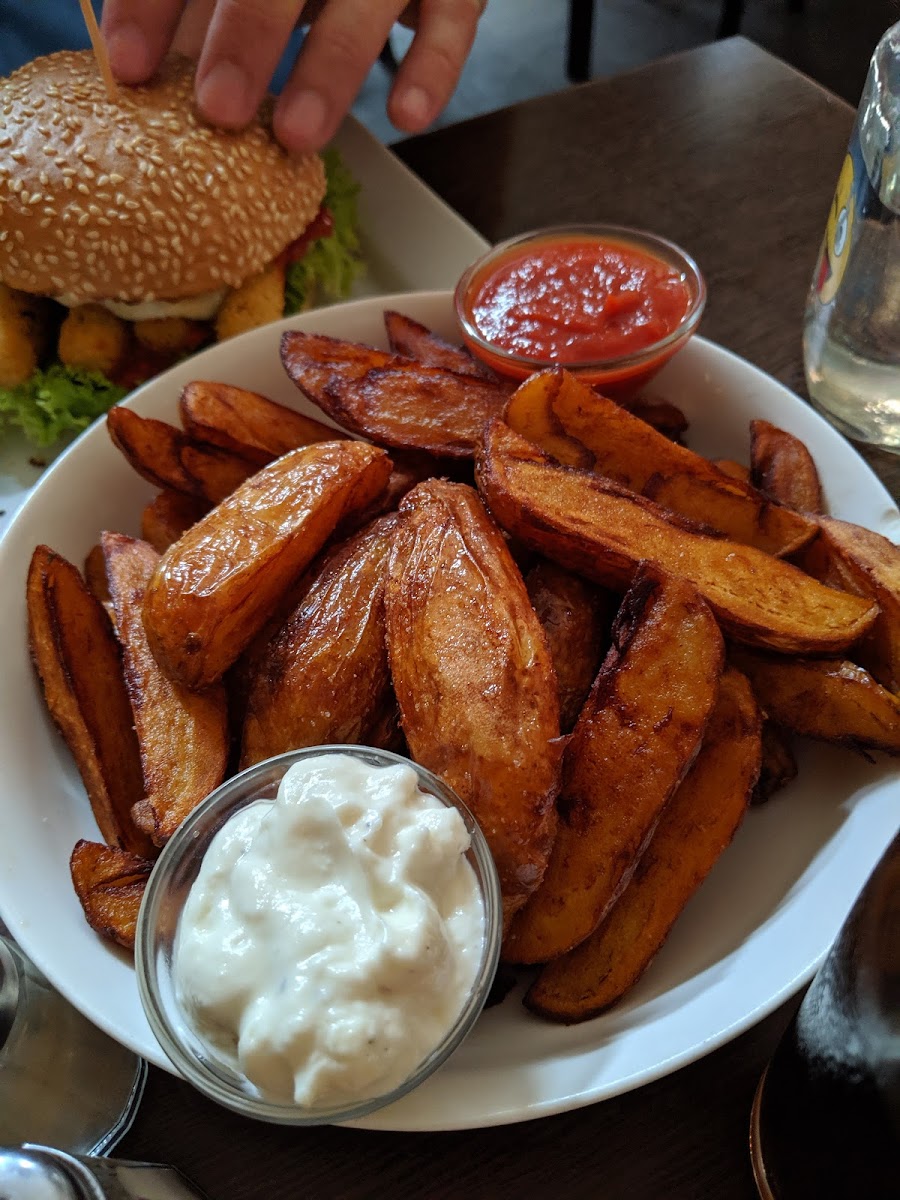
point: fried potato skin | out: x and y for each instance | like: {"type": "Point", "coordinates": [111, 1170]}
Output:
{"type": "Point", "coordinates": [473, 676]}
{"type": "Point", "coordinates": [110, 884]}
{"type": "Point", "coordinates": [828, 699]}
{"type": "Point", "coordinates": [867, 564]}
{"type": "Point", "coordinates": [392, 400]}
{"type": "Point", "coordinates": [214, 588]}
{"type": "Point", "coordinates": [634, 742]}
{"type": "Point", "coordinates": [576, 617]}
{"type": "Point", "coordinates": [246, 423]}
{"type": "Point", "coordinates": [324, 678]}
{"type": "Point", "coordinates": [182, 735]}
{"type": "Point", "coordinates": [168, 516]}
{"type": "Point", "coordinates": [582, 428]}
{"type": "Point", "coordinates": [778, 767]}
{"type": "Point", "coordinates": [601, 530]}
{"type": "Point", "coordinates": [170, 459]}
{"type": "Point", "coordinates": [782, 468]}
{"type": "Point", "coordinates": [695, 828]}
{"type": "Point", "coordinates": [79, 664]}
{"type": "Point", "coordinates": [414, 340]}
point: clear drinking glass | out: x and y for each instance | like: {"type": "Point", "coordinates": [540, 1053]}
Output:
{"type": "Point", "coordinates": [851, 338]}
{"type": "Point", "coordinates": [63, 1082]}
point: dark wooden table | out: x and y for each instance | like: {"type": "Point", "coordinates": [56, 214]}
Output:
{"type": "Point", "coordinates": [734, 155]}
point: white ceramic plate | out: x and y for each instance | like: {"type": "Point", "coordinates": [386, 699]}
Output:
{"type": "Point", "coordinates": [411, 241]}
{"type": "Point", "coordinates": [755, 931]}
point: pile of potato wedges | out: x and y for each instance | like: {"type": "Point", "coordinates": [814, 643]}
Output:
{"type": "Point", "coordinates": [605, 643]}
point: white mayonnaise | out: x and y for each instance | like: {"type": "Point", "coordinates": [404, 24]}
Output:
{"type": "Point", "coordinates": [194, 308]}
{"type": "Point", "coordinates": [332, 937]}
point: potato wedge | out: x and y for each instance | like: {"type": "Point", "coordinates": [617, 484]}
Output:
{"type": "Point", "coordinates": [169, 458]}
{"type": "Point", "coordinates": [695, 828]}
{"type": "Point", "coordinates": [867, 564]}
{"type": "Point", "coordinates": [95, 574]}
{"type": "Point", "coordinates": [414, 340]}
{"type": "Point", "coordinates": [182, 735]}
{"type": "Point", "coordinates": [324, 678]}
{"type": "Point", "coordinates": [394, 401]}
{"type": "Point", "coordinates": [247, 423]}
{"type": "Point", "coordinates": [779, 766]}
{"type": "Point", "coordinates": [214, 589]}
{"type": "Point", "coordinates": [827, 699]}
{"type": "Point", "coordinates": [576, 617]}
{"type": "Point", "coordinates": [602, 530]}
{"type": "Point", "coordinates": [473, 676]}
{"type": "Point", "coordinates": [636, 737]}
{"type": "Point", "coordinates": [581, 428]}
{"type": "Point", "coordinates": [168, 516]}
{"type": "Point", "coordinates": [665, 418]}
{"type": "Point", "coordinates": [110, 884]}
{"type": "Point", "coordinates": [79, 665]}
{"type": "Point", "coordinates": [783, 469]}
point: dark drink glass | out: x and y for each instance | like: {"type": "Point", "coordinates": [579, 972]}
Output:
{"type": "Point", "coordinates": [826, 1118]}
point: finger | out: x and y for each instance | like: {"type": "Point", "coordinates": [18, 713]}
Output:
{"type": "Point", "coordinates": [431, 68]}
{"type": "Point", "coordinates": [138, 33]}
{"type": "Point", "coordinates": [245, 40]}
{"type": "Point", "coordinates": [191, 32]}
{"type": "Point", "coordinates": [340, 48]}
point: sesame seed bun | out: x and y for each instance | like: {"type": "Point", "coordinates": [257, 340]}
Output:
{"type": "Point", "coordinates": [137, 200]}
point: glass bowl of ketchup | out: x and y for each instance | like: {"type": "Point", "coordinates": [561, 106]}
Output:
{"type": "Point", "coordinates": [608, 303]}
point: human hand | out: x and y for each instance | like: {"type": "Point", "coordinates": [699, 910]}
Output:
{"type": "Point", "coordinates": [238, 44]}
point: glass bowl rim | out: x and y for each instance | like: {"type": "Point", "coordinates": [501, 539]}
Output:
{"type": "Point", "coordinates": [625, 233]}
{"type": "Point", "coordinates": [224, 801]}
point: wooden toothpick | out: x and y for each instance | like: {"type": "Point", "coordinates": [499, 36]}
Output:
{"type": "Point", "coordinates": [100, 53]}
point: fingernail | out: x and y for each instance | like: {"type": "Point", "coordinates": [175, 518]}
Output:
{"type": "Point", "coordinates": [300, 123]}
{"type": "Point", "coordinates": [414, 106]}
{"type": "Point", "coordinates": [223, 94]}
{"type": "Point", "coordinates": [129, 53]}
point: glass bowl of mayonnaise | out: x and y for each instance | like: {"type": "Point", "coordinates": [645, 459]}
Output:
{"type": "Point", "coordinates": [319, 935]}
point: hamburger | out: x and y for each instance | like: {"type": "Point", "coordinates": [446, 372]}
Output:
{"type": "Point", "coordinates": [132, 233]}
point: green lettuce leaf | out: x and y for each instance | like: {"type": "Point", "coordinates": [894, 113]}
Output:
{"type": "Point", "coordinates": [56, 402]}
{"type": "Point", "coordinates": [327, 271]}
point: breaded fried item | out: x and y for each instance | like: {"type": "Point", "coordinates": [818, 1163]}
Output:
{"type": "Point", "coordinates": [23, 333]}
{"type": "Point", "coordinates": [256, 302]}
{"type": "Point", "coordinates": [171, 336]}
{"type": "Point", "coordinates": [92, 338]}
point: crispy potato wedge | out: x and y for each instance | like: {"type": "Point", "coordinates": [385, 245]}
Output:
{"type": "Point", "coordinates": [110, 884]}
{"type": "Point", "coordinates": [215, 587]}
{"type": "Point", "coordinates": [866, 564]}
{"type": "Point", "coordinates": [827, 699]}
{"type": "Point", "coordinates": [394, 401]}
{"type": "Point", "coordinates": [734, 470]}
{"type": "Point", "coordinates": [247, 423]}
{"type": "Point", "coordinates": [597, 528]}
{"type": "Point", "coordinates": [324, 678]}
{"type": "Point", "coordinates": [695, 828]}
{"type": "Point", "coordinates": [783, 469]}
{"type": "Point", "coordinates": [79, 664]}
{"type": "Point", "coordinates": [636, 737]}
{"type": "Point", "coordinates": [95, 574]}
{"type": "Point", "coordinates": [182, 735]}
{"type": "Point", "coordinates": [414, 340]}
{"type": "Point", "coordinates": [168, 516]}
{"type": "Point", "coordinates": [171, 459]}
{"type": "Point", "coordinates": [665, 418]}
{"type": "Point", "coordinates": [582, 428]}
{"type": "Point", "coordinates": [779, 766]}
{"type": "Point", "coordinates": [576, 617]}
{"type": "Point", "coordinates": [473, 676]}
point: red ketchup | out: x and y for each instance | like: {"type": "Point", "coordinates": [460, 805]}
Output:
{"type": "Point", "coordinates": [579, 301]}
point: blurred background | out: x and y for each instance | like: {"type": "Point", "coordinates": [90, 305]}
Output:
{"type": "Point", "coordinates": [523, 46]}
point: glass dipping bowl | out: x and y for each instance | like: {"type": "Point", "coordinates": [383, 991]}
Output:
{"type": "Point", "coordinates": [165, 896]}
{"type": "Point", "coordinates": [617, 375]}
